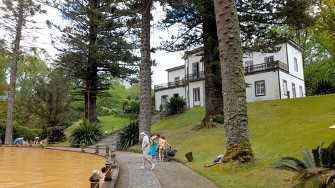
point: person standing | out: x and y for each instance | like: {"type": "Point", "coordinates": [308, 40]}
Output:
{"type": "Point", "coordinates": [145, 150]}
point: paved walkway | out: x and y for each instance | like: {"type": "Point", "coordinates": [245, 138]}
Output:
{"type": "Point", "coordinates": [165, 175]}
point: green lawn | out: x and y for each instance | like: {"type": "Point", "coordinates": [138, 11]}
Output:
{"type": "Point", "coordinates": [277, 129]}
{"type": "Point", "coordinates": [109, 124]}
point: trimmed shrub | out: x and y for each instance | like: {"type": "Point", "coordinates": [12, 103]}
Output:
{"type": "Point", "coordinates": [176, 105]}
{"type": "Point", "coordinates": [55, 134]}
{"type": "Point", "coordinates": [86, 134]}
{"type": "Point", "coordinates": [129, 136]}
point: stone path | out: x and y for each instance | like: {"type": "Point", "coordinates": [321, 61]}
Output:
{"type": "Point", "coordinates": [131, 175]}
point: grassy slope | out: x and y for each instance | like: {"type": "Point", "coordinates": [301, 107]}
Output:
{"type": "Point", "coordinates": [109, 123]}
{"type": "Point", "coordinates": [277, 129]}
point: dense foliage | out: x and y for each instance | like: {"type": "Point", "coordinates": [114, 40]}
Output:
{"type": "Point", "coordinates": [129, 136]}
{"type": "Point", "coordinates": [86, 134]}
{"type": "Point", "coordinates": [316, 169]}
{"type": "Point", "coordinates": [20, 131]}
{"type": "Point", "coordinates": [54, 134]}
{"type": "Point", "coordinates": [320, 78]}
{"type": "Point", "coordinates": [176, 105]}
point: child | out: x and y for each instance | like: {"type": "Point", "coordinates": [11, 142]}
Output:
{"type": "Point", "coordinates": [161, 147]}
{"type": "Point", "coordinates": [153, 146]}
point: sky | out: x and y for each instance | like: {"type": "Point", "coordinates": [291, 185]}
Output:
{"type": "Point", "coordinates": [42, 39]}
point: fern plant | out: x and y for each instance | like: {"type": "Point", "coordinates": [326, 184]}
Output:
{"type": "Point", "coordinates": [86, 134]}
{"type": "Point", "coordinates": [129, 136]}
{"type": "Point", "coordinates": [315, 170]}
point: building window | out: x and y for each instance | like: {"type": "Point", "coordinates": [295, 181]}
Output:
{"type": "Point", "coordinates": [176, 95]}
{"type": "Point", "coordinates": [296, 64]}
{"type": "Point", "coordinates": [196, 94]}
{"type": "Point", "coordinates": [285, 90]}
{"type": "Point", "coordinates": [260, 88]}
{"type": "Point", "coordinates": [269, 59]}
{"type": "Point", "coordinates": [301, 91]}
{"type": "Point", "coordinates": [195, 68]}
{"type": "Point", "coordinates": [294, 92]}
{"type": "Point", "coordinates": [164, 100]}
{"type": "Point", "coordinates": [249, 63]}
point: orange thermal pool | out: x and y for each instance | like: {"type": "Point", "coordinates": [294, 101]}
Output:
{"type": "Point", "coordinates": [41, 168]}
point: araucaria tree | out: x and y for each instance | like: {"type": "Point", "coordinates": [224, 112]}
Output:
{"type": "Point", "coordinates": [145, 68]}
{"type": "Point", "coordinates": [17, 15]}
{"type": "Point", "coordinates": [97, 46]}
{"type": "Point", "coordinates": [234, 88]}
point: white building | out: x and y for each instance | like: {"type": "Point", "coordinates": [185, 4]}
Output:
{"type": "Point", "coordinates": [268, 76]}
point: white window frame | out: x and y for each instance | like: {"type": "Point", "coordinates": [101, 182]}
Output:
{"type": "Point", "coordinates": [196, 94]}
{"type": "Point", "coordinates": [260, 88]}
{"type": "Point", "coordinates": [285, 87]}
{"type": "Point", "coordinates": [294, 91]}
{"type": "Point", "coordinates": [269, 59]}
{"type": "Point", "coordinates": [296, 66]}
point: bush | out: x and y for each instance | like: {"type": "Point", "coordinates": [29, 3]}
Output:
{"type": "Point", "coordinates": [86, 134]}
{"type": "Point", "coordinates": [54, 134]}
{"type": "Point", "coordinates": [131, 106]}
{"type": "Point", "coordinates": [129, 136]}
{"type": "Point", "coordinates": [176, 105]}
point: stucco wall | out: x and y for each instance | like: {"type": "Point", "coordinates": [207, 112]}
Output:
{"type": "Point", "coordinates": [258, 57]}
{"type": "Point", "coordinates": [271, 86]}
{"type": "Point", "coordinates": [295, 53]}
{"type": "Point", "coordinates": [291, 79]}
{"type": "Point", "coordinates": [170, 93]}
{"type": "Point", "coordinates": [176, 73]}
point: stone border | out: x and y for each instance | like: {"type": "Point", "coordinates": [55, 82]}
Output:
{"type": "Point", "coordinates": [115, 172]}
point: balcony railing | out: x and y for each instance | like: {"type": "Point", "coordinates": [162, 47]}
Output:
{"type": "Point", "coordinates": [266, 67]}
{"type": "Point", "coordinates": [170, 85]}
{"type": "Point", "coordinates": [275, 65]}
{"type": "Point", "coordinates": [195, 76]}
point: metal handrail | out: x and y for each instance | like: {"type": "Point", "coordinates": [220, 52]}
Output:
{"type": "Point", "coordinates": [266, 66]}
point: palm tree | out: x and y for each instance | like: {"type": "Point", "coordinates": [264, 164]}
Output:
{"type": "Point", "coordinates": [234, 89]}
{"type": "Point", "coordinates": [145, 69]}
{"type": "Point", "coordinates": [316, 169]}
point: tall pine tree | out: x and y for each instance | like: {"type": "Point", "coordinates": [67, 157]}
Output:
{"type": "Point", "coordinates": [97, 46]}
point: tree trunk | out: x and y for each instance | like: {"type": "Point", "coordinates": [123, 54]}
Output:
{"type": "Point", "coordinates": [91, 88]}
{"type": "Point", "coordinates": [13, 72]}
{"type": "Point", "coordinates": [237, 144]}
{"type": "Point", "coordinates": [90, 102]}
{"type": "Point", "coordinates": [213, 82]}
{"type": "Point", "coordinates": [145, 70]}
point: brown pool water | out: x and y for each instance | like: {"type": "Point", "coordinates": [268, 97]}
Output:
{"type": "Point", "coordinates": [41, 168]}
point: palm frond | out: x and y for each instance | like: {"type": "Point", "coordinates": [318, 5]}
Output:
{"type": "Point", "coordinates": [308, 159]}
{"type": "Point", "coordinates": [291, 164]}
